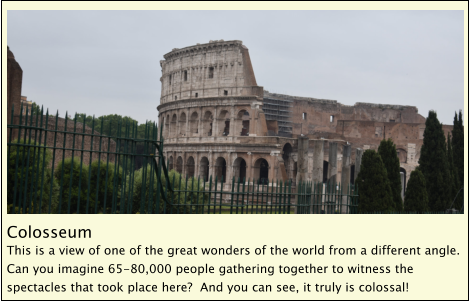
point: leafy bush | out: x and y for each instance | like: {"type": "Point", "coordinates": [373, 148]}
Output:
{"type": "Point", "coordinates": [104, 179]}
{"type": "Point", "coordinates": [73, 181]}
{"type": "Point", "coordinates": [178, 202]}
{"type": "Point", "coordinates": [30, 178]}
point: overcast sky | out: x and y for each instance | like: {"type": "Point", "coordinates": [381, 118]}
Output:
{"type": "Point", "coordinates": [107, 62]}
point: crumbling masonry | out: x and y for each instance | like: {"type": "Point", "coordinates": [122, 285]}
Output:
{"type": "Point", "coordinates": [217, 121]}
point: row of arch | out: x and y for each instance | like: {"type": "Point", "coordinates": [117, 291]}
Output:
{"type": "Point", "coordinates": [239, 166]}
{"type": "Point", "coordinates": [197, 126]}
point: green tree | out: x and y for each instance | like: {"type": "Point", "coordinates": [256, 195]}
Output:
{"type": "Point", "coordinates": [375, 194]}
{"type": "Point", "coordinates": [388, 153]}
{"type": "Point", "coordinates": [454, 181]}
{"type": "Point", "coordinates": [105, 183]}
{"type": "Point", "coordinates": [416, 196]}
{"type": "Point", "coordinates": [458, 156]}
{"type": "Point", "coordinates": [30, 179]}
{"type": "Point", "coordinates": [434, 164]}
{"type": "Point", "coordinates": [72, 178]}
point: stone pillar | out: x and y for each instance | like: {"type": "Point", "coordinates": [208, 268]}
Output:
{"type": "Point", "coordinates": [332, 162]}
{"type": "Point", "coordinates": [184, 168]}
{"type": "Point", "coordinates": [402, 179]}
{"type": "Point", "coordinates": [345, 177]}
{"type": "Point", "coordinates": [302, 160]}
{"type": "Point", "coordinates": [215, 126]}
{"type": "Point", "coordinates": [188, 134]}
{"type": "Point", "coordinates": [232, 122]}
{"type": "Point", "coordinates": [346, 167]}
{"type": "Point", "coordinates": [357, 165]}
{"type": "Point", "coordinates": [178, 122]}
{"type": "Point", "coordinates": [197, 162]}
{"type": "Point", "coordinates": [318, 147]}
{"type": "Point", "coordinates": [199, 123]}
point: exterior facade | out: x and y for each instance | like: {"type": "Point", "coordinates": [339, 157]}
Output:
{"type": "Point", "coordinates": [218, 122]}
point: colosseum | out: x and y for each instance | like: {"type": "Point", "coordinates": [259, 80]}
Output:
{"type": "Point", "coordinates": [217, 121]}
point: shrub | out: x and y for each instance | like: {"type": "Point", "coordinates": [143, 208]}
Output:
{"type": "Point", "coordinates": [72, 177]}
{"type": "Point", "coordinates": [105, 183]}
{"type": "Point", "coordinates": [178, 202]}
{"type": "Point", "coordinates": [30, 179]}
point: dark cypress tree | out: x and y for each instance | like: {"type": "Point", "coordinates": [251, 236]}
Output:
{"type": "Point", "coordinates": [416, 196]}
{"type": "Point", "coordinates": [434, 164]}
{"type": "Point", "coordinates": [454, 183]}
{"type": "Point", "coordinates": [375, 194]}
{"type": "Point", "coordinates": [388, 153]}
{"type": "Point", "coordinates": [458, 156]}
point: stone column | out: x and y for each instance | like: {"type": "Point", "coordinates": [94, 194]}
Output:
{"type": "Point", "coordinates": [345, 177]}
{"type": "Point", "coordinates": [402, 179]}
{"type": "Point", "coordinates": [199, 123]}
{"type": "Point", "coordinates": [357, 165]}
{"type": "Point", "coordinates": [184, 168]}
{"type": "Point", "coordinates": [232, 121]}
{"type": "Point", "coordinates": [197, 162]}
{"type": "Point", "coordinates": [188, 134]}
{"type": "Point", "coordinates": [333, 162]}
{"type": "Point", "coordinates": [215, 122]}
{"type": "Point", "coordinates": [318, 147]}
{"type": "Point", "coordinates": [177, 134]}
{"type": "Point", "coordinates": [302, 160]}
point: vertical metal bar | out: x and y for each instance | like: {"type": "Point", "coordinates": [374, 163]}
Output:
{"type": "Point", "coordinates": [107, 166]}
{"type": "Point", "coordinates": [81, 165]}
{"type": "Point", "coordinates": [221, 193]}
{"type": "Point", "coordinates": [72, 168]}
{"type": "Point", "coordinates": [97, 200]}
{"type": "Point", "coordinates": [90, 162]}
{"type": "Point", "coordinates": [34, 182]}
{"type": "Point", "coordinates": [44, 159]}
{"type": "Point", "coordinates": [117, 158]}
{"type": "Point", "coordinates": [27, 162]}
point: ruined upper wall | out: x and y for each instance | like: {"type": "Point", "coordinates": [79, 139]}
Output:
{"type": "Point", "coordinates": [218, 68]}
{"type": "Point", "coordinates": [312, 115]}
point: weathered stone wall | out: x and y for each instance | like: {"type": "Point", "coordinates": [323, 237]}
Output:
{"type": "Point", "coordinates": [215, 69]}
{"type": "Point", "coordinates": [14, 83]}
{"type": "Point", "coordinates": [80, 141]}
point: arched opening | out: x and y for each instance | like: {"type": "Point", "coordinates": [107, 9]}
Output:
{"type": "Point", "coordinates": [173, 126]}
{"type": "Point", "coordinates": [286, 151]}
{"type": "Point", "coordinates": [207, 124]}
{"type": "Point", "coordinates": [402, 155]}
{"type": "Point", "coordinates": [179, 165]}
{"type": "Point", "coordinates": [325, 171]}
{"type": "Point", "coordinates": [182, 123]}
{"type": "Point", "coordinates": [261, 171]}
{"type": "Point", "coordinates": [353, 169]}
{"type": "Point", "coordinates": [204, 169]}
{"type": "Point", "coordinates": [193, 124]}
{"type": "Point", "coordinates": [223, 123]}
{"type": "Point", "coordinates": [239, 169]}
{"type": "Point", "coordinates": [170, 163]}
{"type": "Point", "coordinates": [190, 167]}
{"type": "Point", "coordinates": [403, 185]}
{"type": "Point", "coordinates": [243, 119]}
{"type": "Point", "coordinates": [221, 169]}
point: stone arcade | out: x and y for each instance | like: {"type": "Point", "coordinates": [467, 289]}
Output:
{"type": "Point", "coordinates": [217, 121]}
